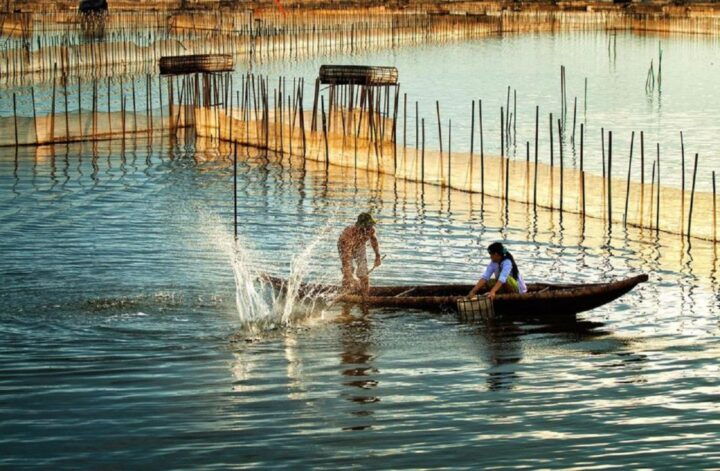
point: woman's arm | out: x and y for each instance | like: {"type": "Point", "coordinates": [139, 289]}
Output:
{"type": "Point", "coordinates": [478, 286]}
{"type": "Point", "coordinates": [496, 287]}
{"type": "Point", "coordinates": [489, 270]}
{"type": "Point", "coordinates": [505, 270]}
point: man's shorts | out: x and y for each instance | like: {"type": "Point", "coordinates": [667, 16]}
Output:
{"type": "Point", "coordinates": [361, 266]}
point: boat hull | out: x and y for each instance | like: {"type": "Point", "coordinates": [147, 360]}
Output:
{"type": "Point", "coordinates": [541, 301]}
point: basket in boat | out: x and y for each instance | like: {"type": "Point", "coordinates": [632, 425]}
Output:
{"type": "Point", "coordinates": [198, 63]}
{"type": "Point", "coordinates": [479, 307]}
{"type": "Point", "coordinates": [358, 75]}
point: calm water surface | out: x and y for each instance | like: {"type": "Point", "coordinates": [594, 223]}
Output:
{"type": "Point", "coordinates": [455, 73]}
{"type": "Point", "coordinates": [615, 66]}
{"type": "Point", "coordinates": [121, 341]}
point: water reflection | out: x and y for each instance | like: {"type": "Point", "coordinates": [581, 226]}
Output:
{"type": "Point", "coordinates": [404, 381]}
{"type": "Point", "coordinates": [502, 351]}
{"type": "Point", "coordinates": [356, 358]}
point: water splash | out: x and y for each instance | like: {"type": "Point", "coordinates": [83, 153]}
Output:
{"type": "Point", "coordinates": [259, 306]}
{"type": "Point", "coordinates": [299, 269]}
{"type": "Point", "coordinates": [250, 300]}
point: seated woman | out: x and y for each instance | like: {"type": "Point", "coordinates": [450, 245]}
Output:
{"type": "Point", "coordinates": [507, 277]}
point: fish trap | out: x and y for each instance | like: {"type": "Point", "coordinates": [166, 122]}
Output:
{"type": "Point", "coordinates": [477, 308]}
{"type": "Point", "coordinates": [197, 63]}
{"type": "Point", "coordinates": [358, 75]}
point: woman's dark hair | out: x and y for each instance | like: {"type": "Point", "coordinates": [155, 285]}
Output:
{"type": "Point", "coordinates": [499, 249]}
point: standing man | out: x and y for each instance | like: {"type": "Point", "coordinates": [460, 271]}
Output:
{"type": "Point", "coordinates": [351, 246]}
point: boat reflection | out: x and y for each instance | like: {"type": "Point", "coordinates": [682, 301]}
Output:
{"type": "Point", "coordinates": [502, 349]}
{"type": "Point", "coordinates": [502, 341]}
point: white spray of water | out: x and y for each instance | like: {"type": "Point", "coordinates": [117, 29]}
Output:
{"type": "Point", "coordinates": [252, 305]}
{"type": "Point", "coordinates": [259, 307]}
{"type": "Point", "coordinates": [299, 266]}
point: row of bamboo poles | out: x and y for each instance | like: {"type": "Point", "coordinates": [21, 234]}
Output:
{"type": "Point", "coordinates": [359, 127]}
{"type": "Point", "coordinates": [366, 128]}
{"type": "Point", "coordinates": [73, 44]}
{"type": "Point", "coordinates": [100, 162]}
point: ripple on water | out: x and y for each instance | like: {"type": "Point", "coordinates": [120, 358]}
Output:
{"type": "Point", "coordinates": [121, 339]}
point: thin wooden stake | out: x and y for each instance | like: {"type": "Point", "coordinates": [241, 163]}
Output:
{"type": "Point", "coordinates": [609, 178]}
{"type": "Point", "coordinates": [422, 158]}
{"type": "Point", "coordinates": [714, 207]}
{"type": "Point", "coordinates": [449, 167]}
{"type": "Point", "coordinates": [437, 107]}
{"type": "Point", "coordinates": [472, 138]}
{"type": "Point", "coordinates": [15, 119]}
{"type": "Point", "coordinates": [682, 176]}
{"type": "Point", "coordinates": [692, 197]}
{"type": "Point", "coordinates": [627, 189]}
{"type": "Point", "coordinates": [235, 212]}
{"type": "Point", "coordinates": [657, 212]}
{"type": "Point", "coordinates": [562, 165]}
{"type": "Point", "coordinates": [482, 154]}
{"type": "Point", "coordinates": [537, 126]}
{"type": "Point", "coordinates": [582, 167]}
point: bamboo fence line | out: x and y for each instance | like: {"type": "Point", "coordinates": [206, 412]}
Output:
{"type": "Point", "coordinates": [507, 180]}
{"type": "Point", "coordinates": [655, 251]}
{"type": "Point", "coordinates": [87, 75]}
{"type": "Point", "coordinates": [270, 35]}
{"type": "Point", "coordinates": [361, 127]}
{"type": "Point", "coordinates": [358, 127]}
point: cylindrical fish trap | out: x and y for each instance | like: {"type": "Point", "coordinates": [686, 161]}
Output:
{"type": "Point", "coordinates": [88, 6]}
{"type": "Point", "coordinates": [477, 308]}
{"type": "Point", "coordinates": [358, 75]}
{"type": "Point", "coordinates": [198, 63]}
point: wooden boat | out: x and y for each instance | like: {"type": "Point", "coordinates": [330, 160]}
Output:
{"type": "Point", "coordinates": [543, 300]}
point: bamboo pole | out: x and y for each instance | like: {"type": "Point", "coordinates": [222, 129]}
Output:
{"type": "Point", "coordinates": [422, 160]}
{"type": "Point", "coordinates": [502, 132]}
{"type": "Point", "coordinates": [15, 120]}
{"type": "Point", "coordinates": [714, 207]}
{"type": "Point", "coordinates": [560, 146]}
{"type": "Point", "coordinates": [235, 212]}
{"type": "Point", "coordinates": [609, 179]}
{"type": "Point", "coordinates": [657, 212]}
{"type": "Point", "coordinates": [582, 167]}
{"type": "Point", "coordinates": [682, 177]}
{"type": "Point", "coordinates": [692, 197]}
{"type": "Point", "coordinates": [472, 138]}
{"type": "Point", "coordinates": [482, 154]}
{"type": "Point", "coordinates": [449, 166]}
{"type": "Point", "coordinates": [627, 189]}
{"type": "Point", "coordinates": [437, 107]}
{"type": "Point", "coordinates": [404, 120]}
{"type": "Point", "coordinates": [537, 126]}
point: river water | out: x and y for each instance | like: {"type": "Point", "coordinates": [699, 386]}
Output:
{"type": "Point", "coordinates": [122, 340]}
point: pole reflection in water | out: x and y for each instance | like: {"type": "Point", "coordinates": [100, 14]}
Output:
{"type": "Point", "coordinates": [129, 318]}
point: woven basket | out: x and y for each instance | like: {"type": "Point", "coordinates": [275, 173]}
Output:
{"type": "Point", "coordinates": [480, 307]}
{"type": "Point", "coordinates": [358, 75]}
{"type": "Point", "coordinates": [199, 63]}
